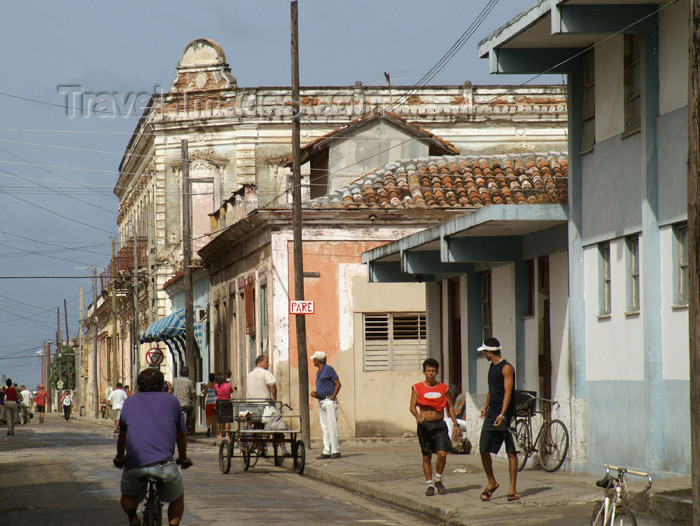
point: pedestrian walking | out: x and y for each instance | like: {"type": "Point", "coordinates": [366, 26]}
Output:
{"type": "Point", "coordinates": [117, 398]}
{"type": "Point", "coordinates": [26, 404]}
{"type": "Point", "coordinates": [67, 404]}
{"type": "Point", "coordinates": [12, 397]}
{"type": "Point", "coordinates": [42, 397]}
{"type": "Point", "coordinates": [498, 413]}
{"type": "Point", "coordinates": [429, 399]}
{"type": "Point", "coordinates": [327, 387]}
{"type": "Point", "coordinates": [183, 389]}
{"type": "Point", "coordinates": [209, 399]}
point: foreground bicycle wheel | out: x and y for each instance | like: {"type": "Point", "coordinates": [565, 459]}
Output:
{"type": "Point", "coordinates": [553, 445]}
{"type": "Point", "coordinates": [623, 516]}
{"type": "Point", "coordinates": [153, 511]}
{"type": "Point", "coordinates": [522, 437]}
{"type": "Point", "coordinates": [225, 453]}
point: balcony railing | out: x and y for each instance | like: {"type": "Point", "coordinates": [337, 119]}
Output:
{"type": "Point", "coordinates": [123, 263]}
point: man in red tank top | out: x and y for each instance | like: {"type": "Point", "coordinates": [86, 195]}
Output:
{"type": "Point", "coordinates": [429, 399]}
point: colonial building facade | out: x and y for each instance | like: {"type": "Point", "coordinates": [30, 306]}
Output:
{"type": "Point", "coordinates": [239, 141]}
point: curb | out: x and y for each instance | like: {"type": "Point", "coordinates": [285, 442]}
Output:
{"type": "Point", "coordinates": [445, 515]}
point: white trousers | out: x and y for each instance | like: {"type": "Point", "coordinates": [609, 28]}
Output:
{"type": "Point", "coordinates": [328, 411]}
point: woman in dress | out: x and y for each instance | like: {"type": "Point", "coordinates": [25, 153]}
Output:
{"type": "Point", "coordinates": [223, 391]}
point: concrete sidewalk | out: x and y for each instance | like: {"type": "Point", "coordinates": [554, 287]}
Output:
{"type": "Point", "coordinates": [390, 470]}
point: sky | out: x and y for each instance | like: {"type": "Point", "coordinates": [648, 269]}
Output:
{"type": "Point", "coordinates": [59, 165]}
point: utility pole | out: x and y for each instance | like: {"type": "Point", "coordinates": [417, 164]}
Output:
{"type": "Point", "coordinates": [95, 327]}
{"type": "Point", "coordinates": [79, 355]}
{"type": "Point", "coordinates": [693, 256]}
{"type": "Point", "coordinates": [187, 260]}
{"type": "Point", "coordinates": [48, 373]}
{"type": "Point", "coordinates": [302, 358]}
{"type": "Point", "coordinates": [135, 321]}
{"type": "Point", "coordinates": [71, 383]}
{"type": "Point", "coordinates": [59, 353]}
{"type": "Point", "coordinates": [112, 276]}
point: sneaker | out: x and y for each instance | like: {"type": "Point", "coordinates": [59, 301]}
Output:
{"type": "Point", "coordinates": [440, 487]}
{"type": "Point", "coordinates": [208, 432]}
{"type": "Point", "coordinates": [323, 457]}
{"type": "Point", "coordinates": [429, 491]}
{"type": "Point", "coordinates": [335, 455]}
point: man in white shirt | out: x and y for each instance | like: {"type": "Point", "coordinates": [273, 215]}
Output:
{"type": "Point", "coordinates": [117, 398]}
{"type": "Point", "coordinates": [260, 382]}
{"type": "Point", "coordinates": [26, 404]}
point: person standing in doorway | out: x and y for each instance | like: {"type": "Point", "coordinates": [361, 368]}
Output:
{"type": "Point", "coordinates": [498, 413]}
{"type": "Point", "coordinates": [117, 399]}
{"type": "Point", "coordinates": [429, 399]}
{"type": "Point", "coordinates": [42, 397]}
{"type": "Point", "coordinates": [327, 387]}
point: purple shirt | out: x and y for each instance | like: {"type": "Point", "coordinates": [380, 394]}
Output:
{"type": "Point", "coordinates": [151, 422]}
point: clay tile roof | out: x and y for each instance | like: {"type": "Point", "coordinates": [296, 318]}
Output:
{"type": "Point", "coordinates": [455, 182]}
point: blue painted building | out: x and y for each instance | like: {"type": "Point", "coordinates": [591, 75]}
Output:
{"type": "Point", "coordinates": [626, 318]}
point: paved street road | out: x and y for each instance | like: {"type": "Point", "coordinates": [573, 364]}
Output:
{"type": "Point", "coordinates": [59, 474]}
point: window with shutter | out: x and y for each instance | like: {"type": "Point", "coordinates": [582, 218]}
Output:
{"type": "Point", "coordinates": [394, 341]}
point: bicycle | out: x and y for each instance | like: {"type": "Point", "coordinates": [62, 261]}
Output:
{"type": "Point", "coordinates": [153, 508]}
{"type": "Point", "coordinates": [613, 510]}
{"type": "Point", "coordinates": [552, 441]}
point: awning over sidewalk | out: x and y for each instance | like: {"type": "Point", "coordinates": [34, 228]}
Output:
{"type": "Point", "coordinates": [171, 331]}
{"type": "Point", "coordinates": [168, 328]}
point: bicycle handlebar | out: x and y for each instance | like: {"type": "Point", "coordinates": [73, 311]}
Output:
{"type": "Point", "coordinates": [619, 469]}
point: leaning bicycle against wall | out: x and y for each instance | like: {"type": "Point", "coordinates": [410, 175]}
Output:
{"type": "Point", "coordinates": [150, 426]}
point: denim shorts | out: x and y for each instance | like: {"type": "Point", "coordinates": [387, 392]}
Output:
{"type": "Point", "coordinates": [172, 488]}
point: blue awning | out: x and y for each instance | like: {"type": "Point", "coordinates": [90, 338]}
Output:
{"type": "Point", "coordinates": [168, 328]}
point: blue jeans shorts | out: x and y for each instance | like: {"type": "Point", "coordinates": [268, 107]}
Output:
{"type": "Point", "coordinates": [171, 489]}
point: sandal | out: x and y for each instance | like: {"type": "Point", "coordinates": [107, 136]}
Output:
{"type": "Point", "coordinates": [512, 497]}
{"type": "Point", "coordinates": [486, 494]}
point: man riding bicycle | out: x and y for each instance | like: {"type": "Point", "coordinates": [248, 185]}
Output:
{"type": "Point", "coordinates": [150, 425]}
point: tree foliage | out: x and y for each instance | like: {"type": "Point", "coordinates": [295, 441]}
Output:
{"type": "Point", "coordinates": [66, 356]}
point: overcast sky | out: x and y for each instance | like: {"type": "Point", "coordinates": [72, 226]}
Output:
{"type": "Point", "coordinates": [58, 168]}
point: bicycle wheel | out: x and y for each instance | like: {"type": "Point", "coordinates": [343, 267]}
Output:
{"type": "Point", "coordinates": [522, 437]}
{"type": "Point", "coordinates": [299, 453]}
{"type": "Point", "coordinates": [624, 517]}
{"type": "Point", "coordinates": [597, 517]}
{"type": "Point", "coordinates": [257, 450]}
{"type": "Point", "coordinates": [553, 445]}
{"type": "Point", "coordinates": [245, 456]}
{"type": "Point", "coordinates": [225, 453]}
{"type": "Point", "coordinates": [152, 511]}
